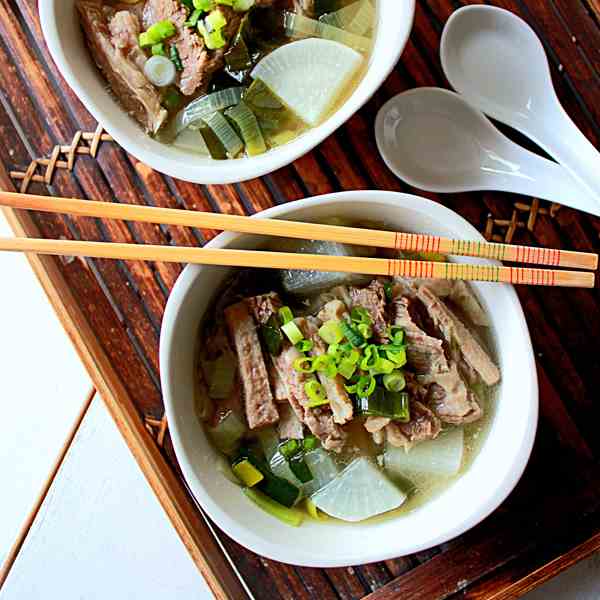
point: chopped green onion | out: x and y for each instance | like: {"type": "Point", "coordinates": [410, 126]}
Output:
{"type": "Point", "coordinates": [382, 366]}
{"type": "Point", "coordinates": [346, 368]}
{"type": "Point", "coordinates": [360, 315]}
{"type": "Point", "coordinates": [299, 468]}
{"type": "Point", "coordinates": [247, 473]}
{"type": "Point", "coordinates": [396, 334]}
{"type": "Point", "coordinates": [156, 33]}
{"type": "Point", "coordinates": [194, 18]}
{"type": "Point", "coordinates": [215, 20]}
{"type": "Point", "coordinates": [271, 336]}
{"type": "Point", "coordinates": [213, 39]}
{"type": "Point", "coordinates": [290, 516]}
{"type": "Point", "coordinates": [324, 363]}
{"type": "Point", "coordinates": [286, 315]}
{"type": "Point", "coordinates": [394, 382]}
{"type": "Point", "coordinates": [382, 403]}
{"type": "Point", "coordinates": [304, 365]}
{"type": "Point", "coordinates": [204, 5]}
{"type": "Point", "coordinates": [310, 442]}
{"type": "Point", "coordinates": [226, 134]}
{"type": "Point", "coordinates": [331, 332]}
{"type": "Point", "coordinates": [159, 49]}
{"type": "Point", "coordinates": [305, 345]}
{"type": "Point", "coordinates": [289, 448]}
{"type": "Point", "coordinates": [397, 354]}
{"type": "Point", "coordinates": [365, 330]}
{"type": "Point", "coordinates": [242, 5]}
{"type": "Point", "coordinates": [388, 288]}
{"type": "Point", "coordinates": [353, 336]}
{"type": "Point", "coordinates": [246, 122]}
{"type": "Point", "coordinates": [316, 393]}
{"type": "Point", "coordinates": [370, 357]}
{"type": "Point", "coordinates": [175, 59]}
{"type": "Point", "coordinates": [365, 386]}
{"type": "Point", "coordinates": [204, 106]}
{"type": "Point", "coordinates": [292, 332]}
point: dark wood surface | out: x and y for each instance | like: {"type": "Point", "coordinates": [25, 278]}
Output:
{"type": "Point", "coordinates": [555, 509]}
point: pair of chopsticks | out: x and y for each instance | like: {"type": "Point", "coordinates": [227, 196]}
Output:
{"type": "Point", "coordinates": [309, 231]}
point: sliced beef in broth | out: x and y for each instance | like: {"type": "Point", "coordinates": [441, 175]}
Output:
{"type": "Point", "coordinates": [462, 344]}
{"type": "Point", "coordinates": [199, 64]}
{"type": "Point", "coordinates": [137, 95]}
{"type": "Point", "coordinates": [290, 427]}
{"type": "Point", "coordinates": [258, 399]}
{"type": "Point", "coordinates": [334, 310]}
{"type": "Point", "coordinates": [372, 298]}
{"type": "Point", "coordinates": [423, 425]}
{"type": "Point", "coordinates": [425, 353]}
{"type": "Point", "coordinates": [319, 420]}
{"type": "Point", "coordinates": [125, 29]}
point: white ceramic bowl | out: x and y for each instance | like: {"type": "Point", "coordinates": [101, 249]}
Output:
{"type": "Point", "coordinates": [65, 42]}
{"type": "Point", "coordinates": [494, 473]}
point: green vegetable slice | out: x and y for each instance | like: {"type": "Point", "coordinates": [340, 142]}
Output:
{"type": "Point", "coordinates": [286, 315]}
{"type": "Point", "coordinates": [225, 133]}
{"type": "Point", "coordinates": [271, 336]}
{"type": "Point", "coordinates": [331, 332]}
{"type": "Point", "coordinates": [247, 473]}
{"type": "Point", "coordinates": [382, 403]}
{"type": "Point", "coordinates": [394, 382]}
{"type": "Point", "coordinates": [158, 32]}
{"type": "Point", "coordinates": [305, 345]}
{"type": "Point", "coordinates": [290, 516]}
{"type": "Point", "coordinates": [316, 393]}
{"type": "Point", "coordinates": [352, 335]}
{"type": "Point", "coordinates": [292, 332]}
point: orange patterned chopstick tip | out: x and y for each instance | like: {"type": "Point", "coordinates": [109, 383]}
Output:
{"type": "Point", "coordinates": [307, 262]}
{"type": "Point", "coordinates": [313, 231]}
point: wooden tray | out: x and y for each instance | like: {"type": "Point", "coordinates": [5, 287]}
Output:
{"type": "Point", "coordinates": [113, 310]}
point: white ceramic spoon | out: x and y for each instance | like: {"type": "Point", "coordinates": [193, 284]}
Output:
{"type": "Point", "coordinates": [434, 140]}
{"type": "Point", "coordinates": [497, 62]}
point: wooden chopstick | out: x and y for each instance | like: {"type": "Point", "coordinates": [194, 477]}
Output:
{"type": "Point", "coordinates": [307, 262]}
{"type": "Point", "coordinates": [309, 231]}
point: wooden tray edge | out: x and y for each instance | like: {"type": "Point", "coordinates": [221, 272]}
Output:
{"type": "Point", "coordinates": [181, 511]}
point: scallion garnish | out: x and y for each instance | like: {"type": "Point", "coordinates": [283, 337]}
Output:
{"type": "Point", "coordinates": [383, 403]}
{"type": "Point", "coordinates": [394, 382]}
{"type": "Point", "coordinates": [286, 315]}
{"type": "Point", "coordinates": [365, 330]}
{"type": "Point", "coordinates": [365, 386]}
{"type": "Point", "coordinates": [316, 393]}
{"type": "Point", "coordinates": [360, 315]}
{"type": "Point", "coordinates": [352, 335]}
{"type": "Point", "coordinates": [331, 332]}
{"type": "Point", "coordinates": [304, 365]}
{"type": "Point", "coordinates": [347, 368]}
{"type": "Point", "coordinates": [289, 448]}
{"type": "Point", "coordinates": [292, 332]}
{"type": "Point", "coordinates": [271, 336]}
{"type": "Point", "coordinates": [397, 354]}
{"type": "Point", "coordinates": [310, 442]}
{"type": "Point", "coordinates": [305, 345]}
{"type": "Point", "coordinates": [175, 59]}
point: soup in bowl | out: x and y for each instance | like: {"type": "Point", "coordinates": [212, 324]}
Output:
{"type": "Point", "coordinates": [219, 91]}
{"type": "Point", "coordinates": [282, 435]}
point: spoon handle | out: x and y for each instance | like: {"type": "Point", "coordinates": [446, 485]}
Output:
{"type": "Point", "coordinates": [563, 140]}
{"type": "Point", "coordinates": [541, 178]}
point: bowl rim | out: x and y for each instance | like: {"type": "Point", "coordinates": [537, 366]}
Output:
{"type": "Point", "coordinates": [229, 171]}
{"type": "Point", "coordinates": [289, 555]}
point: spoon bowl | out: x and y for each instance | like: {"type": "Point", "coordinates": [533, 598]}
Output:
{"type": "Point", "coordinates": [434, 140]}
{"type": "Point", "coordinates": [497, 62]}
